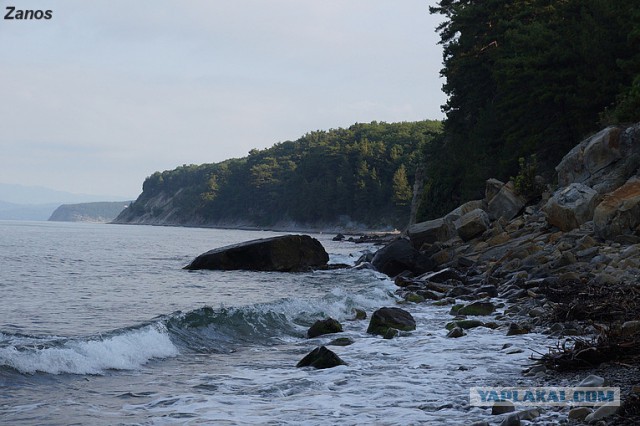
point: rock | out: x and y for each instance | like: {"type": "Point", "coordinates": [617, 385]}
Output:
{"type": "Point", "coordinates": [462, 210]}
{"type": "Point", "coordinates": [441, 276]}
{"type": "Point", "coordinates": [579, 413]}
{"type": "Point", "coordinates": [516, 329]}
{"type": "Point", "coordinates": [464, 324]}
{"type": "Point", "coordinates": [592, 381]}
{"type": "Point", "coordinates": [512, 420]}
{"type": "Point", "coordinates": [506, 204]}
{"type": "Point", "coordinates": [602, 412]}
{"type": "Point", "coordinates": [502, 407]}
{"type": "Point", "coordinates": [326, 326]}
{"type": "Point", "coordinates": [571, 206]}
{"type": "Point", "coordinates": [366, 257]}
{"type": "Point", "coordinates": [619, 211]}
{"type": "Point", "coordinates": [398, 256]}
{"type": "Point", "coordinates": [492, 187]}
{"type": "Point", "coordinates": [359, 314]}
{"type": "Point", "coordinates": [430, 232]}
{"type": "Point", "coordinates": [385, 318]}
{"type": "Point", "coordinates": [287, 253]}
{"type": "Point", "coordinates": [341, 341]}
{"type": "Point", "coordinates": [472, 224]}
{"type": "Point", "coordinates": [630, 328]}
{"type": "Point", "coordinates": [477, 308]}
{"type": "Point", "coordinates": [391, 333]}
{"type": "Point", "coordinates": [455, 332]}
{"type": "Point", "coordinates": [321, 358]}
{"type": "Point", "coordinates": [590, 156]}
{"type": "Point", "coordinates": [529, 414]}
{"type": "Point", "coordinates": [338, 237]}
{"type": "Point", "coordinates": [414, 297]}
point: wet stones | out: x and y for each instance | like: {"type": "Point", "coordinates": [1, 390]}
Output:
{"type": "Point", "coordinates": [326, 326]}
{"type": "Point", "coordinates": [395, 318]}
{"type": "Point", "coordinates": [321, 358]}
{"type": "Point", "coordinates": [477, 308]}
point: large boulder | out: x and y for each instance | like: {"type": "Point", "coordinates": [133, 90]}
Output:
{"type": "Point", "coordinates": [571, 206]}
{"type": "Point", "coordinates": [590, 156]}
{"type": "Point", "coordinates": [506, 203]}
{"type": "Point", "coordinates": [604, 161]}
{"type": "Point", "coordinates": [395, 318]}
{"type": "Point", "coordinates": [472, 224]}
{"type": "Point", "coordinates": [399, 256]}
{"type": "Point", "coordinates": [287, 253]}
{"type": "Point", "coordinates": [430, 231]}
{"type": "Point", "coordinates": [619, 211]}
{"type": "Point", "coordinates": [465, 208]}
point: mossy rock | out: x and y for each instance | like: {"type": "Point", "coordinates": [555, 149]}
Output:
{"type": "Point", "coordinates": [464, 324]}
{"type": "Point", "coordinates": [414, 298]}
{"type": "Point", "coordinates": [326, 326]}
{"type": "Point", "coordinates": [385, 318]}
{"type": "Point", "coordinates": [477, 308]}
{"type": "Point", "coordinates": [455, 308]}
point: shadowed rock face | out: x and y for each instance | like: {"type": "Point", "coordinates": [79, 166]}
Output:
{"type": "Point", "coordinates": [287, 253]}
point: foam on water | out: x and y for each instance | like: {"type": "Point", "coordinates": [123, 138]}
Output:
{"type": "Point", "coordinates": [126, 351]}
{"type": "Point", "coordinates": [420, 377]}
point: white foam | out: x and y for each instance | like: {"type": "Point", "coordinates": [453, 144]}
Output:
{"type": "Point", "coordinates": [126, 351]}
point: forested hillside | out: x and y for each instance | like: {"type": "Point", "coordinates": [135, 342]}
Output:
{"type": "Point", "coordinates": [362, 174]}
{"type": "Point", "coordinates": [524, 78]}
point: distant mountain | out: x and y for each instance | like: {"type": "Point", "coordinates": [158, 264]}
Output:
{"type": "Point", "coordinates": [11, 211]}
{"type": "Point", "coordinates": [103, 212]}
{"type": "Point", "coordinates": [23, 194]}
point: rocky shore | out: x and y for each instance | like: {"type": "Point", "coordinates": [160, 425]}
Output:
{"type": "Point", "coordinates": [564, 261]}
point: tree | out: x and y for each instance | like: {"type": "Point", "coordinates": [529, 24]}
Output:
{"type": "Point", "coordinates": [401, 189]}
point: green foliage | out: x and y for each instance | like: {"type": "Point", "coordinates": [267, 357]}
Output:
{"type": "Point", "coordinates": [362, 172]}
{"type": "Point", "coordinates": [525, 181]}
{"type": "Point", "coordinates": [526, 77]}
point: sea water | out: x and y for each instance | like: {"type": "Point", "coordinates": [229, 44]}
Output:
{"type": "Point", "coordinates": [99, 324]}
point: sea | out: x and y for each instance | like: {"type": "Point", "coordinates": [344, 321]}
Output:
{"type": "Point", "coordinates": [100, 325]}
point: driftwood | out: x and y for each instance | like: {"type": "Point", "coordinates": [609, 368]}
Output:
{"type": "Point", "coordinates": [581, 353]}
{"type": "Point", "coordinates": [594, 302]}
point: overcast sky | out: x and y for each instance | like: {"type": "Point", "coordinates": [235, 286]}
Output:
{"type": "Point", "coordinates": [109, 91]}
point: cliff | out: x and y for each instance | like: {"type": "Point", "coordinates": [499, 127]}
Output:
{"type": "Point", "coordinates": [354, 178]}
{"type": "Point", "coordinates": [89, 212]}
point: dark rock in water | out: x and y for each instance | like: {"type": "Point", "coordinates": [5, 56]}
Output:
{"type": "Point", "coordinates": [326, 326]}
{"type": "Point", "coordinates": [502, 407]}
{"type": "Point", "coordinates": [477, 308]}
{"type": "Point", "coordinates": [287, 253]}
{"type": "Point", "coordinates": [398, 256]}
{"type": "Point", "coordinates": [367, 257]}
{"type": "Point", "coordinates": [464, 324]}
{"type": "Point", "coordinates": [341, 341]}
{"type": "Point", "coordinates": [455, 332]}
{"type": "Point", "coordinates": [391, 333]}
{"type": "Point", "coordinates": [385, 318]}
{"type": "Point", "coordinates": [517, 329]}
{"type": "Point", "coordinates": [359, 314]}
{"type": "Point", "coordinates": [320, 358]}
{"type": "Point", "coordinates": [338, 237]}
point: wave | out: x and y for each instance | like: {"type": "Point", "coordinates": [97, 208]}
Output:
{"type": "Point", "coordinates": [126, 350]}
{"type": "Point", "coordinates": [203, 330]}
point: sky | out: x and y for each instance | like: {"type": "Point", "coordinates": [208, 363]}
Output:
{"type": "Point", "coordinates": [106, 92]}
